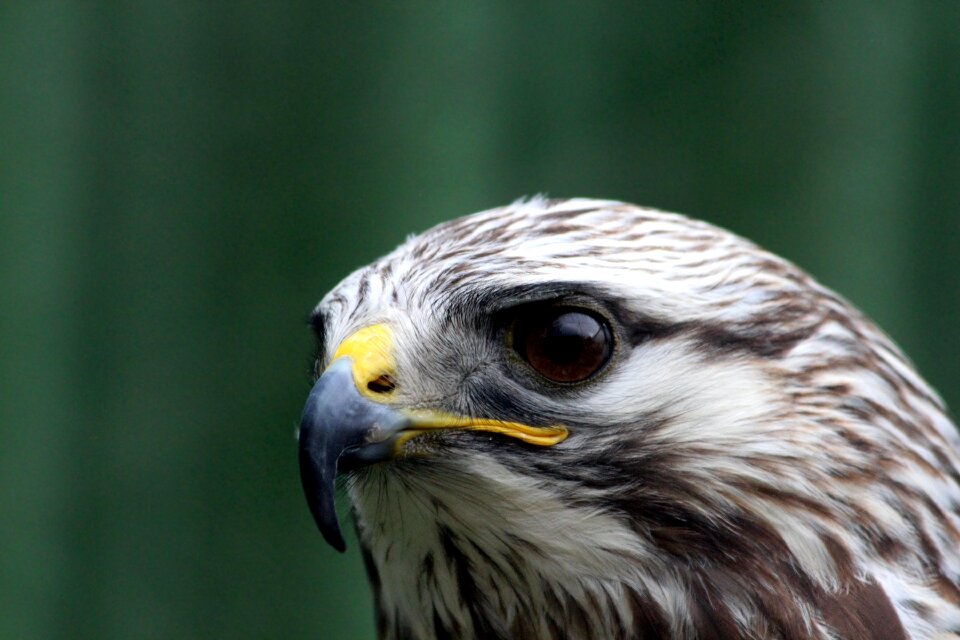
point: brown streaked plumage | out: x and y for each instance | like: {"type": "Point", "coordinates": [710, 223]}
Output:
{"type": "Point", "coordinates": [604, 421]}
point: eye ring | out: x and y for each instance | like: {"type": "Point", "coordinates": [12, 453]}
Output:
{"type": "Point", "coordinates": [565, 345]}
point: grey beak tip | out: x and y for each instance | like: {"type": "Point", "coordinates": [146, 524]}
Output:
{"type": "Point", "coordinates": [318, 486]}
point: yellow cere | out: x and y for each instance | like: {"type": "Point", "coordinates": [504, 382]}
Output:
{"type": "Point", "coordinates": [371, 350]}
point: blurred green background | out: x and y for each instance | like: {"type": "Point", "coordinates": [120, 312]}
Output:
{"type": "Point", "coordinates": [180, 182]}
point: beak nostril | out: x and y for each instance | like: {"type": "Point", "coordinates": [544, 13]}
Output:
{"type": "Point", "coordinates": [382, 384]}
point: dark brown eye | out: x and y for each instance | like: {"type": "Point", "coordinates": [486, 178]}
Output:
{"type": "Point", "coordinates": [563, 345]}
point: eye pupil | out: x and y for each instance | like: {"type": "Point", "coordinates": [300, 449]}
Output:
{"type": "Point", "coordinates": [563, 345]}
{"type": "Point", "coordinates": [567, 337]}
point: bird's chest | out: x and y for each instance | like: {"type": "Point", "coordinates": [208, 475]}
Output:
{"type": "Point", "coordinates": [434, 579]}
{"type": "Point", "coordinates": [447, 564]}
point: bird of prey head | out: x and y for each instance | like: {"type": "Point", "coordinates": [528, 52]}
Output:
{"type": "Point", "coordinates": [586, 419]}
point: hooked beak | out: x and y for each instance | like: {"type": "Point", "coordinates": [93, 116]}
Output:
{"type": "Point", "coordinates": [340, 428]}
{"type": "Point", "coordinates": [347, 424]}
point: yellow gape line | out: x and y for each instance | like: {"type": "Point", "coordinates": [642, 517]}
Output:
{"type": "Point", "coordinates": [426, 421]}
{"type": "Point", "coordinates": [371, 350]}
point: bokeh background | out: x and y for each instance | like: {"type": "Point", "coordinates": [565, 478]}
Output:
{"type": "Point", "coordinates": [181, 181]}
